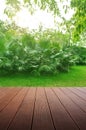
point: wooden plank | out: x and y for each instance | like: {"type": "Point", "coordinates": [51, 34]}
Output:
{"type": "Point", "coordinates": [9, 95]}
{"type": "Point", "coordinates": [3, 96]}
{"type": "Point", "coordinates": [23, 118]}
{"type": "Point", "coordinates": [61, 118]}
{"type": "Point", "coordinates": [42, 118]}
{"type": "Point", "coordinates": [75, 112]}
{"type": "Point", "coordinates": [7, 115]}
{"type": "Point", "coordinates": [82, 89]}
{"type": "Point", "coordinates": [2, 89]}
{"type": "Point", "coordinates": [77, 100]}
{"type": "Point", "coordinates": [78, 93]}
{"type": "Point", "coordinates": [3, 92]}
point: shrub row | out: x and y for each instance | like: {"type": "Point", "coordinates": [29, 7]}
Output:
{"type": "Point", "coordinates": [36, 58]}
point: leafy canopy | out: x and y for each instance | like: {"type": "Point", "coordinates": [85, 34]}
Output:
{"type": "Point", "coordinates": [79, 17]}
{"type": "Point", "coordinates": [78, 20]}
{"type": "Point", "coordinates": [15, 5]}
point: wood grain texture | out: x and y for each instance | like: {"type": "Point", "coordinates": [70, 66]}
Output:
{"type": "Point", "coordinates": [42, 108]}
{"type": "Point", "coordinates": [42, 118]}
{"type": "Point", "coordinates": [60, 116]}
{"type": "Point", "coordinates": [23, 118]}
{"type": "Point", "coordinates": [77, 115]}
{"type": "Point", "coordinates": [7, 97]}
{"type": "Point", "coordinates": [77, 100]}
{"type": "Point", "coordinates": [9, 112]}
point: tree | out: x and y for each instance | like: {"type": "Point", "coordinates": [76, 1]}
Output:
{"type": "Point", "coordinates": [15, 5]}
{"type": "Point", "coordinates": [78, 21]}
{"type": "Point", "coordinates": [79, 17]}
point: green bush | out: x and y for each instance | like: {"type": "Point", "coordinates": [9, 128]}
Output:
{"type": "Point", "coordinates": [64, 60]}
{"type": "Point", "coordinates": [80, 53]}
{"type": "Point", "coordinates": [40, 53]}
{"type": "Point", "coordinates": [40, 60]}
{"type": "Point", "coordinates": [45, 69]}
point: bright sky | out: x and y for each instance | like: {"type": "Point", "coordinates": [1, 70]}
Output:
{"type": "Point", "coordinates": [24, 19]}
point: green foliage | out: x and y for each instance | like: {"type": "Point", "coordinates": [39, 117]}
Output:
{"type": "Point", "coordinates": [43, 52]}
{"type": "Point", "coordinates": [28, 41]}
{"type": "Point", "coordinates": [45, 69]}
{"type": "Point", "coordinates": [13, 6]}
{"type": "Point", "coordinates": [37, 53]}
{"type": "Point", "coordinates": [79, 18]}
{"type": "Point", "coordinates": [80, 53]}
{"type": "Point", "coordinates": [64, 59]}
{"type": "Point", "coordinates": [76, 77]}
{"type": "Point", "coordinates": [73, 27]}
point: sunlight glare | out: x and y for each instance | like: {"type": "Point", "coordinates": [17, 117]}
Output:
{"type": "Point", "coordinates": [25, 19]}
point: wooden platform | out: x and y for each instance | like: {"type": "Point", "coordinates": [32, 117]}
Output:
{"type": "Point", "coordinates": [42, 108]}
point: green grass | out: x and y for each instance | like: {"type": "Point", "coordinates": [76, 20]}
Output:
{"type": "Point", "coordinates": [76, 77]}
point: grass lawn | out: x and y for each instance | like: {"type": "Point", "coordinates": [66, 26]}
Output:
{"type": "Point", "coordinates": [75, 78]}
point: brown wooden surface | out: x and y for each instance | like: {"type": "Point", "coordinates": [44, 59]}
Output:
{"type": "Point", "coordinates": [42, 108]}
